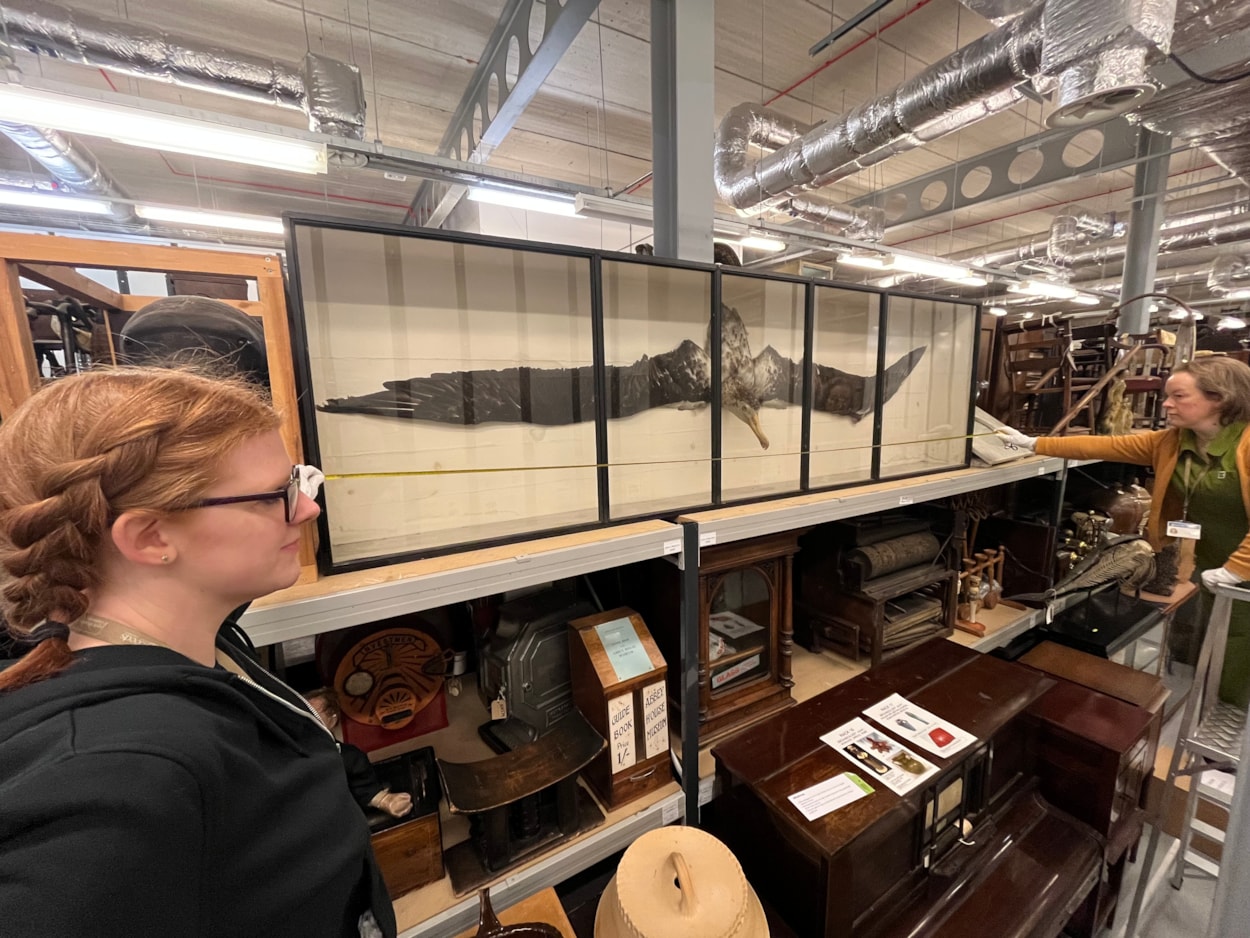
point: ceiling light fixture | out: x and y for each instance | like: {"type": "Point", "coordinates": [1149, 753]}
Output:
{"type": "Point", "coordinates": [528, 201]}
{"type": "Point", "coordinates": [202, 219]}
{"type": "Point", "coordinates": [868, 261]}
{"type": "Point", "coordinates": [1087, 299]}
{"type": "Point", "coordinates": [973, 280]}
{"type": "Point", "coordinates": [595, 206]}
{"type": "Point", "coordinates": [1231, 322]}
{"type": "Point", "coordinates": [1057, 291]}
{"type": "Point", "coordinates": [763, 243]}
{"type": "Point", "coordinates": [136, 127]}
{"type": "Point", "coordinates": [1240, 293]}
{"type": "Point", "coordinates": [996, 310]}
{"type": "Point", "coordinates": [931, 267]}
{"type": "Point", "coordinates": [28, 198]}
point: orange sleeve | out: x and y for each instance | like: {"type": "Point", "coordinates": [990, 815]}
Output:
{"type": "Point", "coordinates": [1136, 448]}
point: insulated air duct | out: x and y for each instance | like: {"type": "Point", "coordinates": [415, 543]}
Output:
{"type": "Point", "coordinates": [328, 91]}
{"type": "Point", "coordinates": [70, 163]}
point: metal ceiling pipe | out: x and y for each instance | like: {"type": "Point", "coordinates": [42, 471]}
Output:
{"type": "Point", "coordinates": [1174, 277]}
{"type": "Point", "coordinates": [749, 124]}
{"type": "Point", "coordinates": [973, 82]}
{"type": "Point", "coordinates": [330, 92]}
{"type": "Point", "coordinates": [70, 163]}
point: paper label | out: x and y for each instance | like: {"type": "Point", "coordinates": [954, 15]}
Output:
{"type": "Point", "coordinates": [672, 547]}
{"type": "Point", "coordinates": [655, 719]}
{"type": "Point", "coordinates": [737, 669]}
{"type": "Point", "coordinates": [498, 709]}
{"type": "Point", "coordinates": [621, 732]}
{"type": "Point", "coordinates": [880, 758]}
{"type": "Point", "coordinates": [708, 539]}
{"type": "Point", "coordinates": [732, 625]}
{"type": "Point", "coordinates": [905, 499]}
{"type": "Point", "coordinates": [625, 650]}
{"type": "Point", "coordinates": [1185, 529]}
{"type": "Point", "coordinates": [829, 795]}
{"type": "Point", "coordinates": [920, 727]}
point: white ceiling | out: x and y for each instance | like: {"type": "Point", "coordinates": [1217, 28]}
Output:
{"type": "Point", "coordinates": [590, 122]}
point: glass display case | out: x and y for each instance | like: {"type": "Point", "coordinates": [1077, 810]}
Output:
{"type": "Point", "coordinates": [462, 391]}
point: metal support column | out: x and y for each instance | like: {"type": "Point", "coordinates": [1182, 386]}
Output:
{"type": "Point", "coordinates": [1150, 183]}
{"type": "Point", "coordinates": [689, 666]}
{"type": "Point", "coordinates": [1231, 910]}
{"type": "Point", "coordinates": [682, 127]}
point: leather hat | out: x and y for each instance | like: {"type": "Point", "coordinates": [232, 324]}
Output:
{"type": "Point", "coordinates": [679, 881]}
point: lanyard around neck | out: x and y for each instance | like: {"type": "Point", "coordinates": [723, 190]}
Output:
{"type": "Point", "coordinates": [112, 631]}
{"type": "Point", "coordinates": [1190, 489]}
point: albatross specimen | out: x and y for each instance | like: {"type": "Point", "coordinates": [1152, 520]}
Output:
{"type": "Point", "coordinates": [559, 396]}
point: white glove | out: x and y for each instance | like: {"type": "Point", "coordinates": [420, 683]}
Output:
{"type": "Point", "coordinates": [310, 479]}
{"type": "Point", "coordinates": [1017, 440]}
{"type": "Point", "coordinates": [1220, 576]}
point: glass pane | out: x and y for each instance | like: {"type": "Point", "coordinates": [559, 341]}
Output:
{"type": "Point", "coordinates": [659, 385]}
{"type": "Point", "coordinates": [925, 424]}
{"type": "Point", "coordinates": [739, 632]}
{"type": "Point", "coordinates": [761, 385]}
{"type": "Point", "coordinates": [844, 349]}
{"type": "Point", "coordinates": [454, 389]}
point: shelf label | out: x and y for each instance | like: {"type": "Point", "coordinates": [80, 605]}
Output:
{"type": "Point", "coordinates": [621, 730]}
{"type": "Point", "coordinates": [670, 812]}
{"type": "Point", "coordinates": [708, 539]}
{"type": "Point", "coordinates": [905, 499]}
{"type": "Point", "coordinates": [655, 719]}
{"type": "Point", "coordinates": [672, 547]}
{"type": "Point", "coordinates": [1041, 470]}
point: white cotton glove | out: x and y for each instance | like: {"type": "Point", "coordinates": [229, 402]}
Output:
{"type": "Point", "coordinates": [1220, 576]}
{"type": "Point", "coordinates": [1017, 440]}
{"type": "Point", "coordinates": [310, 479]}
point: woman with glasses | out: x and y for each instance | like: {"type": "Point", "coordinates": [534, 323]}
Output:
{"type": "Point", "coordinates": [153, 779]}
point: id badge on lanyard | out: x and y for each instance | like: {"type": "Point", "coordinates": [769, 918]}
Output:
{"type": "Point", "coordinates": [1186, 528]}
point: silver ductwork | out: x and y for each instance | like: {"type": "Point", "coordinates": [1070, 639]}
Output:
{"type": "Point", "coordinates": [1199, 21]}
{"type": "Point", "coordinates": [748, 125]}
{"type": "Point", "coordinates": [70, 163]}
{"type": "Point", "coordinates": [328, 91]}
{"type": "Point", "coordinates": [1094, 55]}
{"type": "Point", "coordinates": [971, 83]}
{"type": "Point", "coordinates": [1229, 272]}
{"type": "Point", "coordinates": [999, 12]}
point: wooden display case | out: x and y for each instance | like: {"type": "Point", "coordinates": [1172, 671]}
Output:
{"type": "Point", "coordinates": [618, 678]}
{"type": "Point", "coordinates": [746, 637]}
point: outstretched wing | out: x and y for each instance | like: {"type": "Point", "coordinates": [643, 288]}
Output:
{"type": "Point", "coordinates": [836, 392]}
{"type": "Point", "coordinates": [541, 396]}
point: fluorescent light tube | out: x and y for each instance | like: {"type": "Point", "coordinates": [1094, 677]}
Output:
{"type": "Point", "coordinates": [1231, 322]}
{"type": "Point", "coordinates": [867, 261]}
{"type": "Point", "coordinates": [530, 202]}
{"type": "Point", "coordinates": [594, 206]}
{"type": "Point", "coordinates": [136, 127]}
{"type": "Point", "coordinates": [1057, 291]}
{"type": "Point", "coordinates": [1240, 293]}
{"type": "Point", "coordinates": [972, 280]}
{"type": "Point", "coordinates": [200, 219]}
{"type": "Point", "coordinates": [27, 198]}
{"type": "Point", "coordinates": [930, 267]}
{"type": "Point", "coordinates": [762, 243]}
{"type": "Point", "coordinates": [1086, 299]}
{"type": "Point", "coordinates": [996, 310]}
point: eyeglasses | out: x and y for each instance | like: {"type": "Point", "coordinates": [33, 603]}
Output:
{"type": "Point", "coordinates": [289, 493]}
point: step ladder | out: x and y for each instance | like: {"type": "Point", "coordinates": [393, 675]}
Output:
{"type": "Point", "coordinates": [1208, 741]}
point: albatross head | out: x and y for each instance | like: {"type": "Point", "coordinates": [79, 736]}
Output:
{"type": "Point", "coordinates": [746, 407]}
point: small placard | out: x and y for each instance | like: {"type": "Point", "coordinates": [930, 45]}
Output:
{"type": "Point", "coordinates": [624, 648]}
{"type": "Point", "coordinates": [920, 727]}
{"type": "Point", "coordinates": [905, 499]}
{"type": "Point", "coordinates": [881, 758]}
{"type": "Point", "coordinates": [621, 731]}
{"type": "Point", "coordinates": [672, 547]}
{"type": "Point", "coordinates": [735, 670]}
{"type": "Point", "coordinates": [829, 795]}
{"type": "Point", "coordinates": [708, 539]}
{"type": "Point", "coordinates": [655, 718]}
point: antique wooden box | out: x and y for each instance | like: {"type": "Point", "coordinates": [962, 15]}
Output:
{"type": "Point", "coordinates": [746, 639]}
{"type": "Point", "coordinates": [973, 850]}
{"type": "Point", "coordinates": [409, 850]}
{"type": "Point", "coordinates": [619, 685]}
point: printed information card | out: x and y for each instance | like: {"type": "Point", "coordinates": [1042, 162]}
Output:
{"type": "Point", "coordinates": [920, 727]}
{"type": "Point", "coordinates": [881, 758]}
{"type": "Point", "coordinates": [829, 795]}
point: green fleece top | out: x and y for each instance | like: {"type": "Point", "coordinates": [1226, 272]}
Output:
{"type": "Point", "coordinates": [1160, 450]}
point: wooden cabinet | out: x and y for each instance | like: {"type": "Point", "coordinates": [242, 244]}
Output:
{"type": "Point", "coordinates": [746, 637]}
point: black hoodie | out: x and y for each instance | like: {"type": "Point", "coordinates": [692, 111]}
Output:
{"type": "Point", "coordinates": [146, 796]}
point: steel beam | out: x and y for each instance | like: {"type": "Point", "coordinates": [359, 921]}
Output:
{"type": "Point", "coordinates": [682, 127]}
{"type": "Point", "coordinates": [474, 132]}
{"type": "Point", "coordinates": [903, 203]}
{"type": "Point", "coordinates": [1150, 184]}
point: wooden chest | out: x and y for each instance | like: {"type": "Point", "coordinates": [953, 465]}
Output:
{"type": "Point", "coordinates": [973, 840]}
{"type": "Point", "coordinates": [409, 850]}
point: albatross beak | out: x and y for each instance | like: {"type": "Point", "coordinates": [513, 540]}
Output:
{"type": "Point", "coordinates": [753, 421]}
